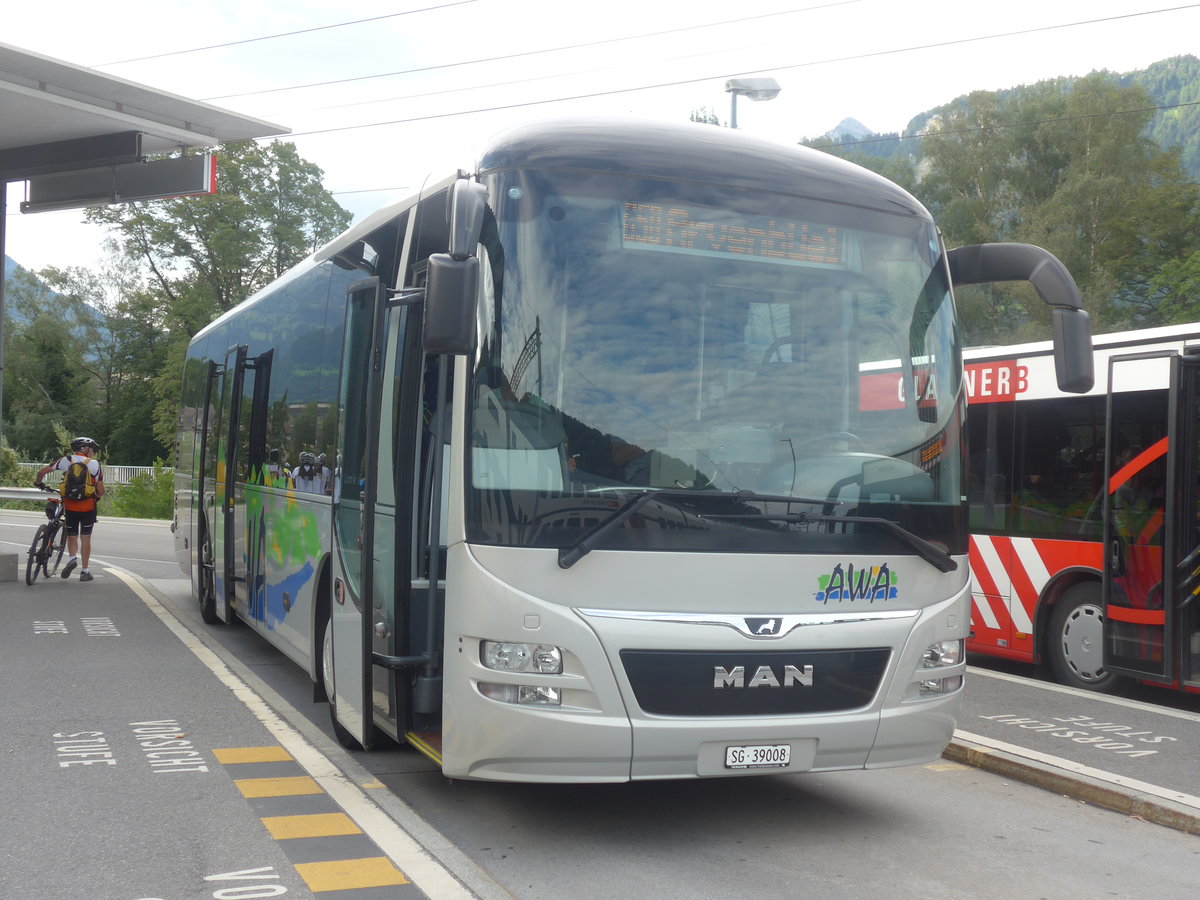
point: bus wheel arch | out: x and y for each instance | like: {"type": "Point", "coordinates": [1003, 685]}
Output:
{"type": "Point", "coordinates": [1074, 644]}
{"type": "Point", "coordinates": [323, 651]}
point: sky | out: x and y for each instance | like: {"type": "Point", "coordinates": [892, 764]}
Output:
{"type": "Point", "coordinates": [385, 94]}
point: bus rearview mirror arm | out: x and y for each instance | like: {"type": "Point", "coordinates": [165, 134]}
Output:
{"type": "Point", "coordinates": [987, 263]}
{"type": "Point", "coordinates": [468, 199]}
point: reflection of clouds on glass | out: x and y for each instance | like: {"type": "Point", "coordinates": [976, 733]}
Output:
{"type": "Point", "coordinates": [709, 364]}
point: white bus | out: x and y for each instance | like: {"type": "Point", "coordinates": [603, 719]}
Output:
{"type": "Point", "coordinates": [598, 501]}
{"type": "Point", "coordinates": [1085, 544]}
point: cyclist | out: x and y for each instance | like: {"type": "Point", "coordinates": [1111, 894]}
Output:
{"type": "Point", "coordinates": [79, 516]}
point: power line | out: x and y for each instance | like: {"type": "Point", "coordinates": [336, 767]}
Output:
{"type": "Point", "coordinates": [271, 37]}
{"type": "Point", "coordinates": [760, 71]}
{"type": "Point", "coordinates": [528, 53]}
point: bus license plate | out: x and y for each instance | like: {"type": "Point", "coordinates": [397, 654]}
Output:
{"type": "Point", "coordinates": [758, 756]}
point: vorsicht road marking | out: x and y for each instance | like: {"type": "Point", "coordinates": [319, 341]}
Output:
{"type": "Point", "coordinates": [974, 671]}
{"type": "Point", "coordinates": [423, 870]}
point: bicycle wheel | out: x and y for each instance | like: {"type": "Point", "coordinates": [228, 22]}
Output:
{"type": "Point", "coordinates": [37, 554]}
{"type": "Point", "coordinates": [54, 553]}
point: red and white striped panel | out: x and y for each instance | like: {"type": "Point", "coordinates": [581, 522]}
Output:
{"type": "Point", "coordinates": [1008, 575]}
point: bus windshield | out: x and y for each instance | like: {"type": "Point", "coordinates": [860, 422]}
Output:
{"type": "Point", "coordinates": [708, 344]}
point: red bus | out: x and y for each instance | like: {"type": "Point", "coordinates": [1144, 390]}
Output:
{"type": "Point", "coordinates": [1085, 510]}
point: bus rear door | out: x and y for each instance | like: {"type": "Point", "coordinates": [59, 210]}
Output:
{"type": "Point", "coordinates": [1183, 533]}
{"type": "Point", "coordinates": [1142, 521]}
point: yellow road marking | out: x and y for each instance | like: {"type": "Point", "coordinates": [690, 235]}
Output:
{"type": "Point", "coordinates": [945, 767]}
{"type": "Point", "coordinates": [347, 874]}
{"type": "Point", "coordinates": [231, 755]}
{"type": "Point", "coordinates": [277, 787]}
{"type": "Point", "coordinates": [285, 828]}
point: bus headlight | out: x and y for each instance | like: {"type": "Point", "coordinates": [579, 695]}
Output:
{"type": "Point", "coordinates": [940, 655]}
{"type": "Point", "coordinates": [510, 656]}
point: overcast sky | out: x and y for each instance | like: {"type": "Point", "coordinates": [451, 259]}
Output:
{"type": "Point", "coordinates": [383, 93]}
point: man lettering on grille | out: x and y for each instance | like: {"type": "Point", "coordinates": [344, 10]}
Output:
{"type": "Point", "coordinates": [82, 486]}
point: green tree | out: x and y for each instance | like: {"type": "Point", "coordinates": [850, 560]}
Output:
{"type": "Point", "coordinates": [1066, 165]}
{"type": "Point", "coordinates": [124, 350]}
{"type": "Point", "coordinates": [47, 379]}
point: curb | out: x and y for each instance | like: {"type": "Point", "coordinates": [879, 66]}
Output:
{"type": "Point", "coordinates": [476, 881]}
{"type": "Point", "coordinates": [1096, 791]}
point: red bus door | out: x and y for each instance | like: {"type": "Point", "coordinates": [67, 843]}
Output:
{"type": "Point", "coordinates": [1141, 513]}
{"type": "Point", "coordinates": [1184, 610]}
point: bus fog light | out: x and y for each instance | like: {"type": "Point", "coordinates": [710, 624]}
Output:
{"type": "Point", "coordinates": [941, 685]}
{"type": "Point", "coordinates": [521, 694]}
{"type": "Point", "coordinates": [534, 695]}
{"type": "Point", "coordinates": [941, 654]}
{"type": "Point", "coordinates": [511, 656]}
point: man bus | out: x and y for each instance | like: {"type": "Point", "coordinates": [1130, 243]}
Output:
{"type": "Point", "coordinates": [604, 505]}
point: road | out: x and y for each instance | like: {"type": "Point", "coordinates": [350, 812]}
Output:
{"type": "Point", "coordinates": [129, 831]}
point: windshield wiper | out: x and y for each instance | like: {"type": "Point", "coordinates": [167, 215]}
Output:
{"type": "Point", "coordinates": [935, 556]}
{"type": "Point", "coordinates": [568, 556]}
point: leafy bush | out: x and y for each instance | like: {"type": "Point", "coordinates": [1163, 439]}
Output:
{"type": "Point", "coordinates": [148, 495]}
{"type": "Point", "coordinates": [10, 471]}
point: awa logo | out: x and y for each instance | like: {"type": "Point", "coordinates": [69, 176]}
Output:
{"type": "Point", "coordinates": [869, 583]}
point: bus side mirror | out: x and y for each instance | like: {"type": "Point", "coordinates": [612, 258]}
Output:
{"type": "Point", "coordinates": [453, 277]}
{"type": "Point", "coordinates": [450, 298]}
{"type": "Point", "coordinates": [986, 263]}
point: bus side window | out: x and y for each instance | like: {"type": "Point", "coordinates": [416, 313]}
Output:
{"type": "Point", "coordinates": [991, 466]}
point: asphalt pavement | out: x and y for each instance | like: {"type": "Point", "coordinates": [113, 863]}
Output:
{"type": "Point", "coordinates": [1132, 756]}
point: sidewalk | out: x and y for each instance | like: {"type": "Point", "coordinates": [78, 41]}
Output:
{"type": "Point", "coordinates": [1131, 756]}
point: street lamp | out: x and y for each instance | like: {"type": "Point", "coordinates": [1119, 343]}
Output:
{"type": "Point", "coordinates": [754, 88]}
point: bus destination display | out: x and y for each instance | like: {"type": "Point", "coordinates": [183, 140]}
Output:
{"type": "Point", "coordinates": [680, 229]}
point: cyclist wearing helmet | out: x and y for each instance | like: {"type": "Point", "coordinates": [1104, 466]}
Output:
{"type": "Point", "coordinates": [79, 516]}
{"type": "Point", "coordinates": [307, 477]}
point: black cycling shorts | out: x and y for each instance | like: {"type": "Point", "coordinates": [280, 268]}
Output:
{"type": "Point", "coordinates": [79, 522]}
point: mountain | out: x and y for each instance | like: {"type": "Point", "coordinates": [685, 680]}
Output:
{"type": "Point", "coordinates": [1171, 84]}
{"type": "Point", "coordinates": [849, 130]}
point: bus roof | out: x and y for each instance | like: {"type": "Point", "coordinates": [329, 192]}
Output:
{"type": "Point", "coordinates": [1113, 341]}
{"type": "Point", "coordinates": [691, 151]}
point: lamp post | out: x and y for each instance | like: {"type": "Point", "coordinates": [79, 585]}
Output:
{"type": "Point", "coordinates": [754, 88]}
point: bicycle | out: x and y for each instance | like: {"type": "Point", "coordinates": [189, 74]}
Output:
{"type": "Point", "coordinates": [49, 542]}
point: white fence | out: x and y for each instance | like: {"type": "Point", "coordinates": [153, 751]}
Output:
{"type": "Point", "coordinates": [112, 474]}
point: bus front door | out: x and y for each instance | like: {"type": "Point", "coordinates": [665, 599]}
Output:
{"type": "Point", "coordinates": [347, 643]}
{"type": "Point", "coordinates": [1141, 521]}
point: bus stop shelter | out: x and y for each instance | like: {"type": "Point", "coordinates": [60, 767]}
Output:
{"type": "Point", "coordinates": [77, 137]}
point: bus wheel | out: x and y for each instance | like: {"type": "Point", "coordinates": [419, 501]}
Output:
{"type": "Point", "coordinates": [344, 737]}
{"type": "Point", "coordinates": [1076, 641]}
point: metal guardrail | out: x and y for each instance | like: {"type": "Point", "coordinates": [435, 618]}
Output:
{"type": "Point", "coordinates": [20, 493]}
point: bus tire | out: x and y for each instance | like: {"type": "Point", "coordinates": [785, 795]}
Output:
{"type": "Point", "coordinates": [1075, 642]}
{"type": "Point", "coordinates": [344, 737]}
